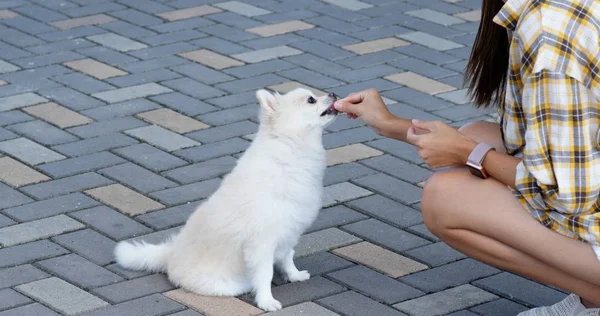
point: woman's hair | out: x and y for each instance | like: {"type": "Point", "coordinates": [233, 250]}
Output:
{"type": "Point", "coordinates": [487, 68]}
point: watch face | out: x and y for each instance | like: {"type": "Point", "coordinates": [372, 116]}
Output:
{"type": "Point", "coordinates": [477, 172]}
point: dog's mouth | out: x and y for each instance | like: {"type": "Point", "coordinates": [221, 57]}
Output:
{"type": "Point", "coordinates": [330, 110]}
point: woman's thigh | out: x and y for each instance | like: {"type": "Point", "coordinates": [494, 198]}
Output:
{"type": "Point", "coordinates": [455, 199]}
{"type": "Point", "coordinates": [486, 132]}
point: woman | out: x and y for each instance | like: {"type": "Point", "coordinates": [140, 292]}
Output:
{"type": "Point", "coordinates": [531, 206]}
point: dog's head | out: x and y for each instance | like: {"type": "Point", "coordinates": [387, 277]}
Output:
{"type": "Point", "coordinates": [296, 111]}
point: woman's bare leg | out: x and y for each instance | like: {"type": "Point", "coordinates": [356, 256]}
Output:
{"type": "Point", "coordinates": [493, 227]}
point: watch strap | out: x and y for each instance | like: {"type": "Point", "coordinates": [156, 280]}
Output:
{"type": "Point", "coordinates": [478, 153]}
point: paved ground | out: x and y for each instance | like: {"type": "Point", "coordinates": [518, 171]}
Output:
{"type": "Point", "coordinates": [118, 117]}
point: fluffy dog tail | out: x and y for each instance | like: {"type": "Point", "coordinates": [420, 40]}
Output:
{"type": "Point", "coordinates": [142, 256]}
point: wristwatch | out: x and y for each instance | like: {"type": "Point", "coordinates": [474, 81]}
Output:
{"type": "Point", "coordinates": [475, 160]}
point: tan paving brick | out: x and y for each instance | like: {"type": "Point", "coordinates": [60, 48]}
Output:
{"type": "Point", "coordinates": [189, 13]}
{"type": "Point", "coordinates": [291, 85]}
{"type": "Point", "coordinates": [57, 115]}
{"type": "Point", "coordinates": [420, 83]}
{"type": "Point", "coordinates": [211, 59]}
{"type": "Point", "coordinates": [83, 21]}
{"type": "Point", "coordinates": [213, 306]}
{"type": "Point", "coordinates": [17, 174]}
{"type": "Point", "coordinates": [473, 16]}
{"type": "Point", "coordinates": [95, 68]}
{"type": "Point", "coordinates": [7, 14]}
{"type": "Point", "coordinates": [380, 259]}
{"type": "Point", "coordinates": [280, 28]}
{"type": "Point", "coordinates": [350, 153]}
{"type": "Point", "coordinates": [124, 199]}
{"type": "Point", "coordinates": [376, 45]}
{"type": "Point", "coordinates": [172, 120]}
{"type": "Point", "coordinates": [2, 82]}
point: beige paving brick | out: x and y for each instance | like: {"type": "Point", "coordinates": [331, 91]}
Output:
{"type": "Point", "coordinates": [17, 174]}
{"type": "Point", "coordinates": [2, 82]}
{"type": "Point", "coordinates": [124, 199]}
{"type": "Point", "coordinates": [57, 115]}
{"type": "Point", "coordinates": [420, 83]}
{"type": "Point", "coordinates": [189, 13]}
{"type": "Point", "coordinates": [350, 153]}
{"type": "Point", "coordinates": [172, 120]}
{"type": "Point", "coordinates": [280, 28]}
{"type": "Point", "coordinates": [472, 16]}
{"type": "Point", "coordinates": [7, 14]}
{"type": "Point", "coordinates": [304, 309]}
{"type": "Point", "coordinates": [212, 305]}
{"type": "Point", "coordinates": [380, 259]}
{"type": "Point", "coordinates": [211, 59]}
{"type": "Point", "coordinates": [83, 21]}
{"type": "Point", "coordinates": [95, 68]}
{"type": "Point", "coordinates": [291, 85]}
{"type": "Point", "coordinates": [376, 45]}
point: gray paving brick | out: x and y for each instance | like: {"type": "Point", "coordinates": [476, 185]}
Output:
{"type": "Point", "coordinates": [315, 63]}
{"type": "Point", "coordinates": [107, 127]}
{"type": "Point", "coordinates": [127, 29]}
{"type": "Point", "coordinates": [117, 42]}
{"type": "Point", "coordinates": [120, 109]}
{"type": "Point", "coordinates": [19, 101]}
{"type": "Point", "coordinates": [26, 273]}
{"type": "Point", "coordinates": [260, 68]}
{"type": "Point", "coordinates": [12, 197]}
{"type": "Point", "coordinates": [96, 144]}
{"type": "Point", "coordinates": [187, 193]}
{"type": "Point", "coordinates": [150, 157]}
{"type": "Point", "coordinates": [203, 170]}
{"type": "Point", "coordinates": [349, 136]}
{"type": "Point", "coordinates": [5, 134]}
{"type": "Point", "coordinates": [219, 133]}
{"type": "Point", "coordinates": [6, 67]}
{"type": "Point", "coordinates": [397, 148]}
{"type": "Point", "coordinates": [12, 117]}
{"type": "Point", "coordinates": [35, 309]}
{"type": "Point", "coordinates": [38, 229]}
{"type": "Point", "coordinates": [436, 254]}
{"type": "Point", "coordinates": [11, 299]}
{"type": "Point", "coordinates": [385, 235]}
{"type": "Point", "coordinates": [137, 177]}
{"type": "Point", "coordinates": [213, 150]}
{"type": "Point", "coordinates": [141, 78]}
{"type": "Point", "coordinates": [128, 274]}
{"type": "Point", "coordinates": [193, 88]}
{"type": "Point", "coordinates": [153, 64]}
{"type": "Point", "coordinates": [162, 138]}
{"type": "Point", "coordinates": [335, 216]}
{"type": "Point", "coordinates": [328, 36]}
{"type": "Point", "coordinates": [520, 289]}
{"type": "Point", "coordinates": [228, 116]}
{"type": "Point", "coordinates": [450, 275]}
{"type": "Point", "coordinates": [28, 25]}
{"type": "Point", "coordinates": [310, 78]}
{"type": "Point", "coordinates": [152, 305]}
{"type": "Point", "coordinates": [5, 221]}
{"type": "Point", "coordinates": [387, 210]}
{"type": "Point", "coordinates": [65, 185]}
{"type": "Point", "coordinates": [354, 304]}
{"type": "Point", "coordinates": [79, 271]}
{"type": "Point", "coordinates": [202, 73]}
{"type": "Point", "coordinates": [169, 217]}
{"type": "Point", "coordinates": [173, 37]}
{"type": "Point", "coordinates": [323, 240]}
{"type": "Point", "coordinates": [47, 59]}
{"type": "Point", "coordinates": [374, 285]}
{"type": "Point", "coordinates": [40, 13]}
{"type": "Point", "coordinates": [234, 100]}
{"type": "Point", "coordinates": [70, 98]}
{"type": "Point", "coordinates": [462, 313]}
{"type": "Point", "coordinates": [148, 6]}
{"type": "Point", "coordinates": [366, 74]}
{"type": "Point", "coordinates": [197, 22]}
{"type": "Point", "coordinates": [50, 207]}
{"type": "Point", "coordinates": [446, 302]}
{"type": "Point", "coordinates": [423, 231]}
{"type": "Point", "coordinates": [94, 8]}
{"type": "Point", "coordinates": [228, 33]}
{"type": "Point", "coordinates": [391, 187]}
{"type": "Point", "coordinates": [345, 172]}
{"type": "Point", "coordinates": [71, 33]}
{"type": "Point", "coordinates": [70, 44]}
{"type": "Point", "coordinates": [323, 50]}
{"type": "Point", "coordinates": [184, 104]}
{"type": "Point", "coordinates": [111, 223]}
{"type": "Point", "coordinates": [136, 17]}
{"type": "Point", "coordinates": [499, 308]}
{"type": "Point", "coordinates": [162, 51]}
{"type": "Point", "coordinates": [29, 252]}
{"type": "Point", "coordinates": [88, 244]}
{"type": "Point", "coordinates": [127, 290]}
{"type": "Point", "coordinates": [43, 132]}
{"type": "Point", "coordinates": [315, 287]}
{"type": "Point", "coordinates": [132, 92]}
{"type": "Point", "coordinates": [398, 168]}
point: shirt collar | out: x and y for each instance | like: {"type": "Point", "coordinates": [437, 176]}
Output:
{"type": "Point", "coordinates": [508, 16]}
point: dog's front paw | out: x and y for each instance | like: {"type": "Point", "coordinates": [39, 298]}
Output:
{"type": "Point", "coordinates": [269, 305]}
{"type": "Point", "coordinates": [299, 276]}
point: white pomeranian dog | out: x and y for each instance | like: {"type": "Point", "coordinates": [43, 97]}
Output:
{"type": "Point", "coordinates": [253, 221]}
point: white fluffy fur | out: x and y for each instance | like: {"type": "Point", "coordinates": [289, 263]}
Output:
{"type": "Point", "coordinates": [254, 220]}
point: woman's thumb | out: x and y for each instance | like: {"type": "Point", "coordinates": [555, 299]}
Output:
{"type": "Point", "coordinates": [345, 107]}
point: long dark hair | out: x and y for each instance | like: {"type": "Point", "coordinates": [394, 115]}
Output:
{"type": "Point", "coordinates": [488, 64]}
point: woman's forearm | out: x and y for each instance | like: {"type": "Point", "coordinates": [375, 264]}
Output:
{"type": "Point", "coordinates": [501, 167]}
{"type": "Point", "coordinates": [397, 128]}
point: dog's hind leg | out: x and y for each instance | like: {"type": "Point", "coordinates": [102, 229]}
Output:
{"type": "Point", "coordinates": [287, 266]}
{"type": "Point", "coordinates": [259, 259]}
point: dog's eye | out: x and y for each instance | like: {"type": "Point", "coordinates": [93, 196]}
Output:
{"type": "Point", "coordinates": [311, 100]}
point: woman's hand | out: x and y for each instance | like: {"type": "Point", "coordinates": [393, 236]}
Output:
{"type": "Point", "coordinates": [441, 145]}
{"type": "Point", "coordinates": [369, 107]}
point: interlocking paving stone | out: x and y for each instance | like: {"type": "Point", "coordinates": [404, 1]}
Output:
{"type": "Point", "coordinates": [152, 305]}
{"type": "Point", "coordinates": [187, 193]}
{"type": "Point", "coordinates": [350, 153]}
{"type": "Point", "coordinates": [172, 120]}
{"type": "Point", "coordinates": [150, 157]}
{"type": "Point", "coordinates": [118, 42]}
{"type": "Point", "coordinates": [345, 172]}
{"type": "Point", "coordinates": [189, 13]}
{"type": "Point", "coordinates": [435, 17]}
{"type": "Point", "coordinates": [335, 216]}
{"type": "Point", "coordinates": [387, 210]}
{"type": "Point", "coordinates": [62, 296]}
{"type": "Point", "coordinates": [392, 187]}
{"type": "Point", "coordinates": [127, 290]}
{"type": "Point", "coordinates": [520, 289]}
{"type": "Point", "coordinates": [7, 14]}
{"type": "Point", "coordinates": [213, 305]}
{"type": "Point", "coordinates": [212, 59]}
{"type": "Point", "coordinates": [267, 54]}
{"type": "Point", "coordinates": [162, 138]}
{"type": "Point", "coordinates": [213, 150]}
{"type": "Point", "coordinates": [354, 304]}
{"type": "Point", "coordinates": [6, 67]}
{"type": "Point", "coordinates": [65, 185]}
{"type": "Point", "coordinates": [375, 285]}
{"type": "Point", "coordinates": [132, 92]}
{"type": "Point", "coordinates": [430, 41]}
{"type": "Point", "coordinates": [354, 5]}
{"type": "Point", "coordinates": [323, 240]}
{"type": "Point", "coordinates": [17, 174]}
{"type": "Point", "coordinates": [42, 228]}
{"type": "Point", "coordinates": [421, 83]}
{"type": "Point", "coordinates": [203, 170]}
{"type": "Point", "coordinates": [124, 199]}
{"type": "Point", "coordinates": [111, 223]}
{"type": "Point", "coordinates": [57, 115]}
{"type": "Point", "coordinates": [473, 15]}
{"type": "Point", "coordinates": [498, 308]}
{"type": "Point", "coordinates": [79, 271]}
{"type": "Point", "coordinates": [93, 145]}
{"type": "Point", "coordinates": [107, 127]}
{"type": "Point", "coordinates": [11, 197]}
{"type": "Point", "coordinates": [445, 302]}
{"type": "Point", "coordinates": [43, 133]}
{"type": "Point", "coordinates": [307, 308]}
{"type": "Point", "coordinates": [11, 299]}
{"type": "Point", "coordinates": [137, 177]}
{"type": "Point", "coordinates": [380, 259]}
{"type": "Point", "coordinates": [29, 252]}
{"type": "Point", "coordinates": [169, 217]}
{"type": "Point", "coordinates": [35, 309]}
{"type": "Point", "coordinates": [280, 28]}
{"type": "Point", "coordinates": [95, 68]}
{"type": "Point", "coordinates": [82, 21]}
{"type": "Point", "coordinates": [71, 166]}
{"type": "Point", "coordinates": [88, 244]}
{"type": "Point", "coordinates": [291, 85]}
{"type": "Point", "coordinates": [120, 109]}
{"type": "Point", "coordinates": [342, 192]}
{"type": "Point", "coordinates": [398, 168]}
{"type": "Point", "coordinates": [242, 8]}
{"type": "Point", "coordinates": [5, 221]}
{"type": "Point", "coordinates": [297, 292]}
{"type": "Point", "coordinates": [183, 103]}
{"type": "Point", "coordinates": [385, 235]}
{"type": "Point", "coordinates": [20, 100]}
{"type": "Point", "coordinates": [375, 45]}
{"type": "Point", "coordinates": [436, 254]}
{"type": "Point", "coordinates": [26, 273]}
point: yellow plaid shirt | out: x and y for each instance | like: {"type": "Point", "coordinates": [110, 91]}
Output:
{"type": "Point", "coordinates": [551, 112]}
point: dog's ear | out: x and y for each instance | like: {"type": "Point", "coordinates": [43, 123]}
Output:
{"type": "Point", "coordinates": [267, 100]}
